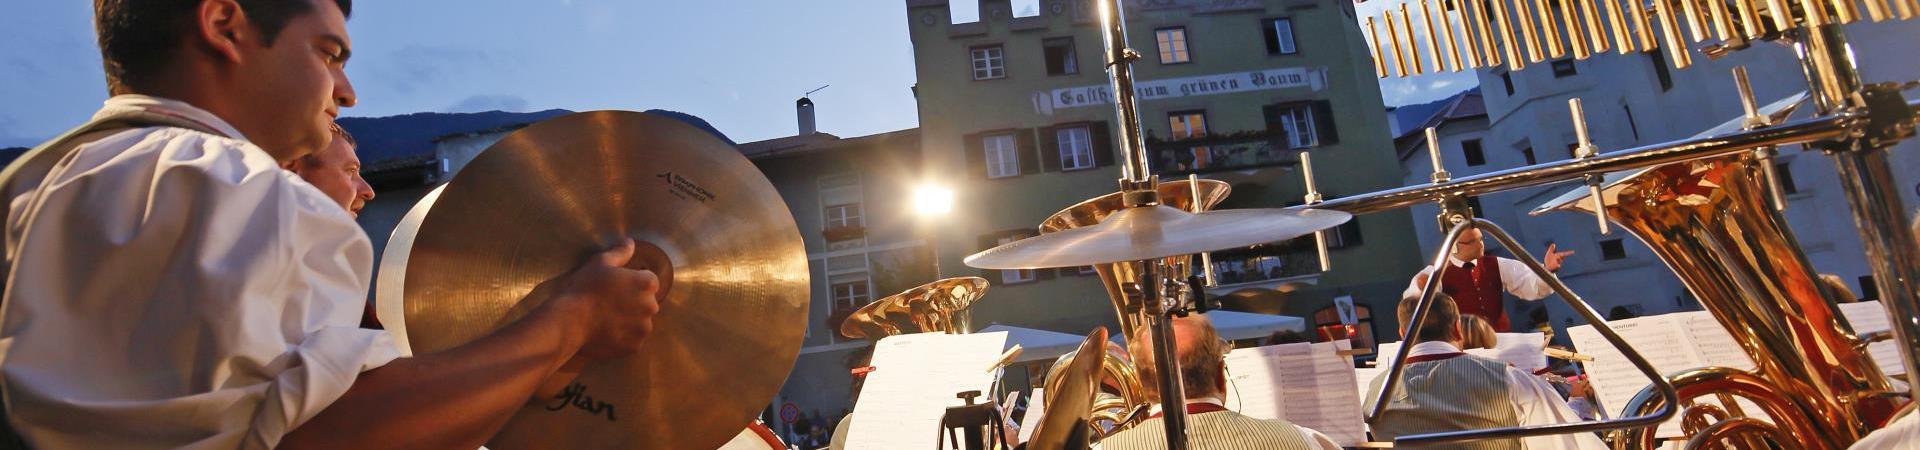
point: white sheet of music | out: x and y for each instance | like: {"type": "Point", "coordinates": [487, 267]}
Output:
{"type": "Point", "coordinates": [1671, 342]}
{"type": "Point", "coordinates": [1311, 385]}
{"type": "Point", "coordinates": [914, 380]}
{"type": "Point", "coordinates": [1868, 317]}
{"type": "Point", "coordinates": [1036, 408]}
{"type": "Point", "coordinates": [1526, 351]}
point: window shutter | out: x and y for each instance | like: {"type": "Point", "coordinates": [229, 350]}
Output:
{"type": "Point", "coordinates": [1273, 37]}
{"type": "Point", "coordinates": [1277, 129]}
{"type": "Point", "coordinates": [976, 155]}
{"type": "Point", "coordinates": [1102, 144]}
{"type": "Point", "coordinates": [1323, 122]}
{"type": "Point", "coordinates": [1050, 149]}
{"type": "Point", "coordinates": [1029, 156]}
{"type": "Point", "coordinates": [1048, 273]}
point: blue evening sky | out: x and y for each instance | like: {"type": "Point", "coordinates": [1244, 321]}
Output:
{"type": "Point", "coordinates": [739, 64]}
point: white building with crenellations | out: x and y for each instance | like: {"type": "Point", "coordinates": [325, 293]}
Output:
{"type": "Point", "coordinates": [1521, 118]}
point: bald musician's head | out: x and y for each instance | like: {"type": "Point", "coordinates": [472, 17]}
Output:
{"type": "Point", "coordinates": [1199, 350]}
{"type": "Point", "coordinates": [1442, 324]}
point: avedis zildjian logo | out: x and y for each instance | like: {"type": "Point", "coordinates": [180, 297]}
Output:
{"type": "Point", "coordinates": [685, 188]}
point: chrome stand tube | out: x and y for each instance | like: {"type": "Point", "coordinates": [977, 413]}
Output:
{"type": "Point", "coordinates": [1868, 182]}
{"type": "Point", "coordinates": [1173, 404]}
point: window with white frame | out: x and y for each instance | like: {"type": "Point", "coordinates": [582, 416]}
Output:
{"type": "Point", "coordinates": [1298, 121]}
{"type": "Point", "coordinates": [843, 216]}
{"type": "Point", "coordinates": [1076, 147]}
{"type": "Point", "coordinates": [1014, 276]}
{"type": "Point", "coordinates": [1002, 155]}
{"type": "Point", "coordinates": [1280, 33]}
{"type": "Point", "coordinates": [851, 291]}
{"type": "Point", "coordinates": [989, 62]}
{"type": "Point", "coordinates": [1173, 45]}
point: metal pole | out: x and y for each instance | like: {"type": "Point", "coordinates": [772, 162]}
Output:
{"type": "Point", "coordinates": [1173, 404]}
{"type": "Point", "coordinates": [1113, 22]}
{"type": "Point", "coordinates": [1869, 184]}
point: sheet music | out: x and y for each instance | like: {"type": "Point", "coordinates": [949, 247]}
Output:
{"type": "Point", "coordinates": [1717, 347]}
{"type": "Point", "coordinates": [1363, 378]}
{"type": "Point", "coordinates": [1311, 385]}
{"type": "Point", "coordinates": [1868, 317]}
{"type": "Point", "coordinates": [914, 380]}
{"type": "Point", "coordinates": [1036, 408]}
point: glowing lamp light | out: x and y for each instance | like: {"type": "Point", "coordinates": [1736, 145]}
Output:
{"type": "Point", "coordinates": [932, 200]}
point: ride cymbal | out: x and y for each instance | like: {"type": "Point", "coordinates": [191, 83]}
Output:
{"type": "Point", "coordinates": [1152, 232]}
{"type": "Point", "coordinates": [732, 267]}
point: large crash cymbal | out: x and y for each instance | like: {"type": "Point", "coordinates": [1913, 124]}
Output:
{"type": "Point", "coordinates": [731, 262]}
{"type": "Point", "coordinates": [1151, 232]}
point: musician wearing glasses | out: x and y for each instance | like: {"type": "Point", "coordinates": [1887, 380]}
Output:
{"type": "Point", "coordinates": [170, 285]}
{"type": "Point", "coordinates": [1444, 389]}
{"type": "Point", "coordinates": [1478, 281]}
{"type": "Point", "coordinates": [1210, 425]}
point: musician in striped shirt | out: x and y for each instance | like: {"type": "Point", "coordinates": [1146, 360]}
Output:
{"type": "Point", "coordinates": [1444, 389]}
{"type": "Point", "coordinates": [1210, 425]}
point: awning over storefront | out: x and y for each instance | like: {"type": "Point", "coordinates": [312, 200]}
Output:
{"type": "Point", "coordinates": [1037, 345]}
{"type": "Point", "coordinates": [1234, 325]}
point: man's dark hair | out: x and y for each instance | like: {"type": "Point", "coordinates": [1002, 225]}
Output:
{"type": "Point", "coordinates": [137, 37]}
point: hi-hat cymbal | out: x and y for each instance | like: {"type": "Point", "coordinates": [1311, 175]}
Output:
{"type": "Point", "coordinates": [731, 262]}
{"type": "Point", "coordinates": [1069, 403]}
{"type": "Point", "coordinates": [930, 307]}
{"type": "Point", "coordinates": [1151, 232]}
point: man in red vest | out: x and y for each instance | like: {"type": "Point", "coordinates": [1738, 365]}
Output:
{"type": "Point", "coordinates": [1476, 280]}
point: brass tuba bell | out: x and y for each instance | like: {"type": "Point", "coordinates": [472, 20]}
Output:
{"type": "Point", "coordinates": [1712, 222]}
{"type": "Point", "coordinates": [943, 306]}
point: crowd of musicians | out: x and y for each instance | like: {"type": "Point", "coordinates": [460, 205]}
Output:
{"type": "Point", "coordinates": [184, 271]}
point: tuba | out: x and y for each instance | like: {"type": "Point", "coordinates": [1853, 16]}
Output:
{"type": "Point", "coordinates": [1712, 221]}
{"type": "Point", "coordinates": [1120, 407]}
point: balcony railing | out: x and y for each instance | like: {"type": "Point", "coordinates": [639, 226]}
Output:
{"type": "Point", "coordinates": [1218, 152]}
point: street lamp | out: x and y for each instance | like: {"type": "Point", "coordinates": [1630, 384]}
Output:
{"type": "Point", "coordinates": [932, 200]}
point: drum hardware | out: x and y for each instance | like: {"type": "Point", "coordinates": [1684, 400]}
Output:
{"type": "Point", "coordinates": [732, 271]}
{"type": "Point", "coordinates": [1752, 119]}
{"type": "Point", "coordinates": [1585, 150]}
{"type": "Point", "coordinates": [1313, 197]}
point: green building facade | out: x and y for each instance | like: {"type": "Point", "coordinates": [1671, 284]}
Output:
{"type": "Point", "coordinates": [1017, 119]}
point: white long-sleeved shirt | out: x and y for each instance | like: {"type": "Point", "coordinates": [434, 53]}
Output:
{"type": "Point", "coordinates": [1534, 402]}
{"type": "Point", "coordinates": [169, 288]}
{"type": "Point", "coordinates": [1903, 434]}
{"type": "Point", "coordinates": [1515, 278]}
{"type": "Point", "coordinates": [1314, 437]}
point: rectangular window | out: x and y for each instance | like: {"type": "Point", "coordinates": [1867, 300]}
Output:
{"type": "Point", "coordinates": [1344, 236]}
{"type": "Point", "coordinates": [1573, 148]}
{"type": "Point", "coordinates": [1280, 37]}
{"type": "Point", "coordinates": [1061, 59]}
{"type": "Point", "coordinates": [1784, 172]}
{"type": "Point", "coordinates": [989, 62]}
{"type": "Point", "coordinates": [844, 216]}
{"type": "Point", "coordinates": [1471, 150]}
{"type": "Point", "coordinates": [1868, 290]}
{"type": "Point", "coordinates": [1474, 204]}
{"type": "Point", "coordinates": [1659, 61]}
{"type": "Point", "coordinates": [1506, 78]}
{"type": "Point", "coordinates": [1173, 45]}
{"type": "Point", "coordinates": [1014, 276]}
{"type": "Point", "coordinates": [1190, 125]}
{"type": "Point", "coordinates": [1613, 249]}
{"type": "Point", "coordinates": [1076, 147]}
{"type": "Point", "coordinates": [1564, 68]}
{"type": "Point", "coordinates": [852, 294]}
{"type": "Point", "coordinates": [1298, 122]}
{"type": "Point", "coordinates": [1528, 154]}
{"type": "Point", "coordinates": [1003, 157]}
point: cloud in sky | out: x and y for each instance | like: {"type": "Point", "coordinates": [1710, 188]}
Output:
{"type": "Point", "coordinates": [413, 67]}
{"type": "Point", "coordinates": [481, 103]}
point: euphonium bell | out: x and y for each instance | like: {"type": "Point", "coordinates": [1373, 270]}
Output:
{"type": "Point", "coordinates": [1710, 220]}
{"type": "Point", "coordinates": [1119, 399]}
{"type": "Point", "coordinates": [942, 306]}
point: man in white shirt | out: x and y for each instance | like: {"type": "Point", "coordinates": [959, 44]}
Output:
{"type": "Point", "coordinates": [170, 286]}
{"type": "Point", "coordinates": [1476, 280]}
{"type": "Point", "coordinates": [335, 171]}
{"type": "Point", "coordinates": [1202, 357]}
{"type": "Point", "coordinates": [1444, 389]}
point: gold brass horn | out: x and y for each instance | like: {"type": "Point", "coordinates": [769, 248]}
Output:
{"type": "Point", "coordinates": [1712, 222]}
{"type": "Point", "coordinates": [1119, 395]}
{"type": "Point", "coordinates": [943, 306]}
{"type": "Point", "coordinates": [1181, 194]}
